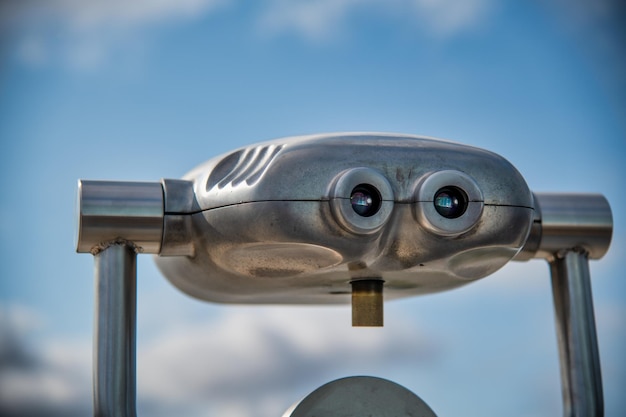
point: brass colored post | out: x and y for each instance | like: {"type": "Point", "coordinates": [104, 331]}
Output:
{"type": "Point", "coordinates": [367, 303]}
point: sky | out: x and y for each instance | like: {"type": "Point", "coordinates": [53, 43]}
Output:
{"type": "Point", "coordinates": [147, 90]}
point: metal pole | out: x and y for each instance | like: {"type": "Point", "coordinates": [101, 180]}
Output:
{"type": "Point", "coordinates": [568, 230]}
{"type": "Point", "coordinates": [576, 331]}
{"type": "Point", "coordinates": [117, 220]}
{"type": "Point", "coordinates": [115, 329]}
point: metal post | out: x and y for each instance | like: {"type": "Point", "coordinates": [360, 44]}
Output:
{"type": "Point", "coordinates": [367, 303]}
{"type": "Point", "coordinates": [114, 334]}
{"type": "Point", "coordinates": [116, 220]}
{"type": "Point", "coordinates": [576, 331]}
{"type": "Point", "coordinates": [570, 229]}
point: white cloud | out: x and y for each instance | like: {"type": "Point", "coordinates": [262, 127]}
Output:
{"type": "Point", "coordinates": [255, 359]}
{"type": "Point", "coordinates": [51, 379]}
{"type": "Point", "coordinates": [91, 14]}
{"type": "Point", "coordinates": [88, 34]}
{"type": "Point", "coordinates": [323, 19]}
{"type": "Point", "coordinates": [18, 319]}
{"type": "Point", "coordinates": [247, 361]}
{"type": "Point", "coordinates": [317, 19]}
{"type": "Point", "coordinates": [198, 359]}
{"type": "Point", "coordinates": [450, 17]}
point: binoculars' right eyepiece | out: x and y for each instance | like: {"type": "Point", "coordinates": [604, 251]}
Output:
{"type": "Point", "coordinates": [361, 200]}
{"type": "Point", "coordinates": [449, 203]}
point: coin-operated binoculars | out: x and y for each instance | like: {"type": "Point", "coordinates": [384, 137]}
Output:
{"type": "Point", "coordinates": [342, 218]}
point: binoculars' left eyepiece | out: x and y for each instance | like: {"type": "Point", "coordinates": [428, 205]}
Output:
{"type": "Point", "coordinates": [365, 200]}
{"type": "Point", "coordinates": [361, 200]}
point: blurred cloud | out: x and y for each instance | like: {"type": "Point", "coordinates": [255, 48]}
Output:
{"type": "Point", "coordinates": [89, 15]}
{"type": "Point", "coordinates": [86, 35]}
{"type": "Point", "coordinates": [245, 362]}
{"type": "Point", "coordinates": [317, 19]}
{"type": "Point", "coordinates": [251, 361]}
{"type": "Point", "coordinates": [44, 380]}
{"type": "Point", "coordinates": [323, 19]}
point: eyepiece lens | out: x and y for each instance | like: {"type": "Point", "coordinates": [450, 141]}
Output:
{"type": "Point", "coordinates": [365, 200]}
{"type": "Point", "coordinates": [361, 200]}
{"type": "Point", "coordinates": [450, 202]}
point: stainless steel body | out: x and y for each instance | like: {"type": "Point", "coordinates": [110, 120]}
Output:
{"type": "Point", "coordinates": [339, 218]}
{"type": "Point", "coordinates": [110, 210]}
{"type": "Point", "coordinates": [273, 223]}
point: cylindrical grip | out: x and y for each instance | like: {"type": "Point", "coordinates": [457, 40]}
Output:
{"type": "Point", "coordinates": [570, 221]}
{"type": "Point", "coordinates": [109, 211]}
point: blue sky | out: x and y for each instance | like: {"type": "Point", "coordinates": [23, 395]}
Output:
{"type": "Point", "coordinates": [148, 90]}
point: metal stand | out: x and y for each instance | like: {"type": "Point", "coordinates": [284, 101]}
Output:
{"type": "Point", "coordinates": [114, 335]}
{"type": "Point", "coordinates": [568, 230]}
{"type": "Point", "coordinates": [117, 220]}
{"type": "Point", "coordinates": [576, 332]}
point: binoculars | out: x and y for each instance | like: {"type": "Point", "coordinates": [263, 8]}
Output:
{"type": "Point", "coordinates": [342, 218]}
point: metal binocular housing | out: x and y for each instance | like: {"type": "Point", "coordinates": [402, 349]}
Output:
{"type": "Point", "coordinates": [348, 218]}
{"type": "Point", "coordinates": [296, 221]}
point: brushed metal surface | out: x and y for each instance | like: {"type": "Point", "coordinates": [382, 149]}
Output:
{"type": "Point", "coordinates": [117, 210]}
{"type": "Point", "coordinates": [567, 221]}
{"type": "Point", "coordinates": [581, 376]}
{"type": "Point", "coordinates": [280, 222]}
{"type": "Point", "coordinates": [114, 384]}
{"type": "Point", "coordinates": [272, 222]}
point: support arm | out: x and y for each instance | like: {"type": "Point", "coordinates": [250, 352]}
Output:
{"type": "Point", "coordinates": [117, 220]}
{"type": "Point", "coordinates": [115, 330]}
{"type": "Point", "coordinates": [569, 229]}
{"type": "Point", "coordinates": [576, 331]}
